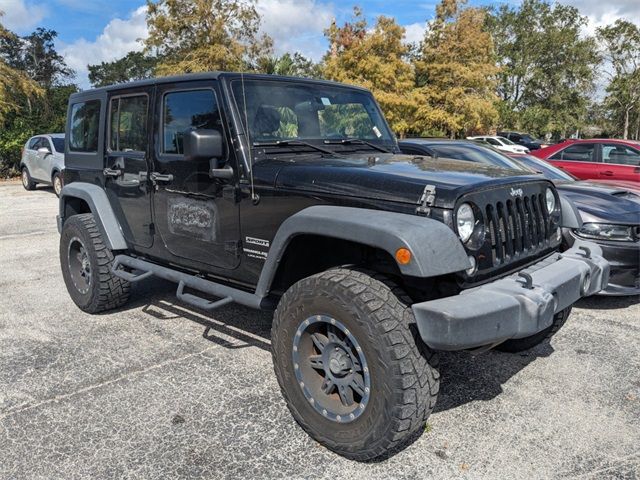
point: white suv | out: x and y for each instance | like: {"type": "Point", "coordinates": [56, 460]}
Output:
{"type": "Point", "coordinates": [501, 143]}
{"type": "Point", "coordinates": [43, 161]}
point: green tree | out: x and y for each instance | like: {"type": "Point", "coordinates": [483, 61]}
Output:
{"type": "Point", "coordinates": [34, 90]}
{"type": "Point", "coordinates": [133, 66]}
{"type": "Point", "coordinates": [295, 65]}
{"type": "Point", "coordinates": [455, 73]}
{"type": "Point", "coordinates": [374, 59]}
{"type": "Point", "coordinates": [621, 50]}
{"type": "Point", "coordinates": [205, 35]}
{"type": "Point", "coordinates": [547, 66]}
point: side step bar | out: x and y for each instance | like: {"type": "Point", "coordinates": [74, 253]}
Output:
{"type": "Point", "coordinates": [185, 280]}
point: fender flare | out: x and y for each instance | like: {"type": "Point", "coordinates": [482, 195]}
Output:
{"type": "Point", "coordinates": [99, 205]}
{"type": "Point", "coordinates": [436, 249]}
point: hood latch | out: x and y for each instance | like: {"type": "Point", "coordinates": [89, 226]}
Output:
{"type": "Point", "coordinates": [427, 199]}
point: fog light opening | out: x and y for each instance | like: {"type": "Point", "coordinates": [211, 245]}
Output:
{"type": "Point", "coordinates": [474, 266]}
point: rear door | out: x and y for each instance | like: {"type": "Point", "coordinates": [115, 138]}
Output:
{"type": "Point", "coordinates": [620, 162]}
{"type": "Point", "coordinates": [127, 160]}
{"type": "Point", "coordinates": [196, 216]}
{"type": "Point", "coordinates": [579, 159]}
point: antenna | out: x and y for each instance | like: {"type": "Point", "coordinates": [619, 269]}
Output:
{"type": "Point", "coordinates": [254, 197]}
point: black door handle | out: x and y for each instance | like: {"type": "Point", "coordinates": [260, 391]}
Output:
{"type": "Point", "coordinates": [161, 177]}
{"type": "Point", "coordinates": [112, 172]}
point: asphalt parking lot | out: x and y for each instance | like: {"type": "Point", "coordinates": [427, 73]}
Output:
{"type": "Point", "coordinates": [161, 390]}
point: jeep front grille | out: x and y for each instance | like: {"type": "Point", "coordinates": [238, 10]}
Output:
{"type": "Point", "coordinates": [516, 226]}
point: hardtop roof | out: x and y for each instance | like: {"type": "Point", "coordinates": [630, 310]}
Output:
{"type": "Point", "coordinates": [189, 77]}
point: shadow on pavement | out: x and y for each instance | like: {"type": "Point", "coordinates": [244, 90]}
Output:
{"type": "Point", "coordinates": [598, 302]}
{"type": "Point", "coordinates": [464, 377]}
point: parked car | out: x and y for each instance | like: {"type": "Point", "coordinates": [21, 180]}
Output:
{"type": "Point", "coordinates": [524, 139]}
{"type": "Point", "coordinates": [43, 161]}
{"type": "Point", "coordinates": [610, 212]}
{"type": "Point", "coordinates": [467, 150]}
{"type": "Point", "coordinates": [611, 215]}
{"type": "Point", "coordinates": [501, 143]}
{"type": "Point", "coordinates": [291, 195]}
{"type": "Point", "coordinates": [596, 159]}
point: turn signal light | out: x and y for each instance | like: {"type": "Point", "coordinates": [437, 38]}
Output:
{"type": "Point", "coordinates": [403, 256]}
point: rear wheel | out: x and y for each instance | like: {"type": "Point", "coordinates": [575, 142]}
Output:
{"type": "Point", "coordinates": [516, 345]}
{"type": "Point", "coordinates": [57, 183]}
{"type": "Point", "coordinates": [86, 267]}
{"type": "Point", "coordinates": [350, 363]}
{"type": "Point", "coordinates": [27, 182]}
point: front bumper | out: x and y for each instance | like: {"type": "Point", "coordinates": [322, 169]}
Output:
{"type": "Point", "coordinates": [516, 306]}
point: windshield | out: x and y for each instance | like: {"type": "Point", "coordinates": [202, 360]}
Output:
{"type": "Point", "coordinates": [323, 114]}
{"type": "Point", "coordinates": [506, 141]}
{"type": "Point", "coordinates": [58, 144]}
{"type": "Point", "coordinates": [549, 171]}
{"type": "Point", "coordinates": [474, 153]}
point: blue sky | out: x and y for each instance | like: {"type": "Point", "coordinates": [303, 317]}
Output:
{"type": "Point", "coordinates": [99, 30]}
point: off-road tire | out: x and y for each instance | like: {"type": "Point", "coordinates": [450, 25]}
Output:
{"type": "Point", "coordinates": [404, 375]}
{"type": "Point", "coordinates": [54, 181]}
{"type": "Point", "coordinates": [27, 181]}
{"type": "Point", "coordinates": [105, 290]}
{"type": "Point", "coordinates": [516, 345]}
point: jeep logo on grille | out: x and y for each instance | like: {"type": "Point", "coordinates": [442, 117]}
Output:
{"type": "Point", "coordinates": [516, 192]}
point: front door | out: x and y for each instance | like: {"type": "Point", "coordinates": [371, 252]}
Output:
{"type": "Point", "coordinates": [196, 216]}
{"type": "Point", "coordinates": [126, 163]}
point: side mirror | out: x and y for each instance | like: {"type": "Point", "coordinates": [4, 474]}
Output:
{"type": "Point", "coordinates": [207, 145]}
{"type": "Point", "coordinates": [44, 150]}
{"type": "Point", "coordinates": [202, 144]}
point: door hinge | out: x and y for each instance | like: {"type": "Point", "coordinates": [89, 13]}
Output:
{"type": "Point", "coordinates": [427, 199]}
{"type": "Point", "coordinates": [232, 247]}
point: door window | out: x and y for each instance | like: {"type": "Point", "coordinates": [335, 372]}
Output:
{"type": "Point", "coordinates": [184, 111]}
{"type": "Point", "coordinates": [85, 119]}
{"type": "Point", "coordinates": [582, 152]}
{"type": "Point", "coordinates": [128, 124]}
{"type": "Point", "coordinates": [33, 142]}
{"type": "Point", "coordinates": [620, 154]}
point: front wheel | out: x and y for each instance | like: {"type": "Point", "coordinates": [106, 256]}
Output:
{"type": "Point", "coordinates": [351, 366]}
{"type": "Point", "coordinates": [516, 345]}
{"type": "Point", "coordinates": [27, 182]}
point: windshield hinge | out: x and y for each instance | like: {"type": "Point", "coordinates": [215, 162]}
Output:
{"type": "Point", "coordinates": [427, 199]}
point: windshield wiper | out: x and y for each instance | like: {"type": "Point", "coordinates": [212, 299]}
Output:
{"type": "Point", "coordinates": [351, 141]}
{"type": "Point", "coordinates": [294, 143]}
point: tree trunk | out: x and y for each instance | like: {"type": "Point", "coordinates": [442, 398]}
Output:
{"type": "Point", "coordinates": [625, 134]}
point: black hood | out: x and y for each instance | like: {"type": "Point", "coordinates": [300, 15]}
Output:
{"type": "Point", "coordinates": [390, 177]}
{"type": "Point", "coordinates": [603, 203]}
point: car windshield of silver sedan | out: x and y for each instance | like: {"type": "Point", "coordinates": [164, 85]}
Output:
{"type": "Point", "coordinates": [297, 115]}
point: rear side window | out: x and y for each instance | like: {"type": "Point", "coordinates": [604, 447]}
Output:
{"type": "Point", "coordinates": [620, 154]}
{"type": "Point", "coordinates": [85, 120]}
{"type": "Point", "coordinates": [184, 111]}
{"type": "Point", "coordinates": [128, 124]}
{"type": "Point", "coordinates": [582, 152]}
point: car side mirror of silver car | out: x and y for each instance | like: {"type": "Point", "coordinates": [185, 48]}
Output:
{"type": "Point", "coordinates": [44, 150]}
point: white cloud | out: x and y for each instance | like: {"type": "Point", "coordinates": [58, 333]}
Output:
{"type": "Point", "coordinates": [21, 16]}
{"type": "Point", "coordinates": [296, 25]}
{"type": "Point", "coordinates": [117, 39]}
{"type": "Point", "coordinates": [414, 32]}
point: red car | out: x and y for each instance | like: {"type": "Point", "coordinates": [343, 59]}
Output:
{"type": "Point", "coordinates": [595, 159]}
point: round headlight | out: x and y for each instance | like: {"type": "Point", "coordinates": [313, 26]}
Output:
{"type": "Point", "coordinates": [551, 200]}
{"type": "Point", "coordinates": [465, 221]}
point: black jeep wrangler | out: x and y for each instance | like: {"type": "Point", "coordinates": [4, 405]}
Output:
{"type": "Point", "coordinates": [292, 195]}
